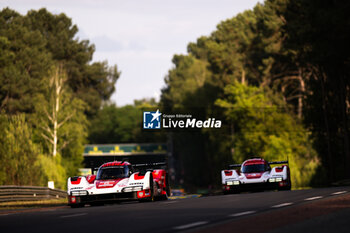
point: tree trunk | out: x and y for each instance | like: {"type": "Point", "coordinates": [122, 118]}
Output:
{"type": "Point", "coordinates": [322, 77]}
{"type": "Point", "coordinates": [301, 96]}
{"type": "Point", "coordinates": [58, 88]}
{"type": "Point", "coordinates": [344, 125]}
{"type": "Point", "coordinates": [243, 76]}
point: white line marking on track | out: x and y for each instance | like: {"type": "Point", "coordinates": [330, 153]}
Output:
{"type": "Point", "coordinates": [73, 215]}
{"type": "Point", "coordinates": [282, 205]}
{"type": "Point", "coordinates": [341, 192]}
{"type": "Point", "coordinates": [190, 225]}
{"type": "Point", "coordinates": [242, 213]}
{"type": "Point", "coordinates": [4, 214]}
{"type": "Point", "coordinates": [313, 198]}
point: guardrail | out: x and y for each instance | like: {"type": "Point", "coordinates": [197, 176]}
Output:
{"type": "Point", "coordinates": [29, 193]}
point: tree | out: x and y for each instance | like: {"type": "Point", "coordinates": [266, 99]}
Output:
{"type": "Point", "coordinates": [92, 83]}
{"type": "Point", "coordinates": [189, 75]}
{"type": "Point", "coordinates": [23, 63]}
{"type": "Point", "coordinates": [31, 44]}
{"type": "Point", "coordinates": [319, 38]}
{"type": "Point", "coordinates": [114, 124]}
{"type": "Point", "coordinates": [192, 89]}
{"type": "Point", "coordinates": [56, 101]}
{"type": "Point", "coordinates": [18, 152]}
{"type": "Point", "coordinates": [248, 49]}
{"type": "Point", "coordinates": [56, 110]}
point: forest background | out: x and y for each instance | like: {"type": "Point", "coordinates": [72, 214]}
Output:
{"type": "Point", "coordinates": [276, 75]}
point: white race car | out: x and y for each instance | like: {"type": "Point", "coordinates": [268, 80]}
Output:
{"type": "Point", "coordinates": [117, 181]}
{"type": "Point", "coordinates": [256, 174]}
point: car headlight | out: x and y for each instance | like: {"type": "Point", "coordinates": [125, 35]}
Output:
{"type": "Point", "coordinates": [132, 189]}
{"type": "Point", "coordinates": [275, 179]}
{"type": "Point", "coordinates": [272, 180]}
{"type": "Point", "coordinates": [127, 189]}
{"type": "Point", "coordinates": [79, 193]}
{"type": "Point", "coordinates": [139, 188]}
{"type": "Point", "coordinates": [236, 182]}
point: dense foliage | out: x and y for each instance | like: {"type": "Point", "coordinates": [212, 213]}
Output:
{"type": "Point", "coordinates": [319, 33]}
{"type": "Point", "coordinates": [49, 90]}
{"type": "Point", "coordinates": [18, 152]}
{"type": "Point", "coordinates": [32, 44]}
{"type": "Point", "coordinates": [277, 76]}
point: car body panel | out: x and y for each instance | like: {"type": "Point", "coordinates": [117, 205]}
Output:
{"type": "Point", "coordinates": [134, 185]}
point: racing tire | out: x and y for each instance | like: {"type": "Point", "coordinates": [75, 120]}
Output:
{"type": "Point", "coordinates": [168, 193]}
{"type": "Point", "coordinates": [286, 188]}
{"type": "Point", "coordinates": [165, 196]}
{"type": "Point", "coordinates": [77, 205]}
{"type": "Point", "coordinates": [151, 182]}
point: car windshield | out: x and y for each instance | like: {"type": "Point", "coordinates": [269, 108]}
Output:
{"type": "Point", "coordinates": [253, 168]}
{"type": "Point", "coordinates": [115, 172]}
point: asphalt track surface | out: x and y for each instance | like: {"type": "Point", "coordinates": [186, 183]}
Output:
{"type": "Point", "coordinates": [222, 213]}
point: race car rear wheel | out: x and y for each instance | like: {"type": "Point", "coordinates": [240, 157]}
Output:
{"type": "Point", "coordinates": [79, 205]}
{"type": "Point", "coordinates": [286, 187]}
{"type": "Point", "coordinates": [165, 189]}
{"type": "Point", "coordinates": [167, 185]}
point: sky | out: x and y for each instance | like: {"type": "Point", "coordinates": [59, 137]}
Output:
{"type": "Point", "coordinates": [139, 36]}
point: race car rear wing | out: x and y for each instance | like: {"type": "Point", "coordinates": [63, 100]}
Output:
{"type": "Point", "coordinates": [235, 165]}
{"type": "Point", "coordinates": [144, 167]}
{"type": "Point", "coordinates": [279, 162]}
{"type": "Point", "coordinates": [148, 164]}
{"type": "Point", "coordinates": [271, 163]}
{"type": "Point", "coordinates": [140, 167]}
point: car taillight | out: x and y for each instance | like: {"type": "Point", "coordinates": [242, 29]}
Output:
{"type": "Point", "coordinates": [283, 183]}
{"type": "Point", "coordinates": [73, 199]}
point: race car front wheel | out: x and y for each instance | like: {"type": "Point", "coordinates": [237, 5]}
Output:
{"type": "Point", "coordinates": [165, 196]}
{"type": "Point", "coordinates": [151, 184]}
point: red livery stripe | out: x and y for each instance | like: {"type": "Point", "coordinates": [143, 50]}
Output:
{"type": "Point", "coordinates": [138, 177]}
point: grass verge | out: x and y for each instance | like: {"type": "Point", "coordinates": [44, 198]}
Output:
{"type": "Point", "coordinates": [31, 204]}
